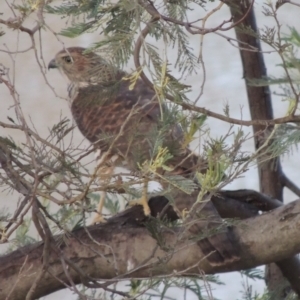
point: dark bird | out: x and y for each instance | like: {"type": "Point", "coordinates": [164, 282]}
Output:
{"type": "Point", "coordinates": [124, 119]}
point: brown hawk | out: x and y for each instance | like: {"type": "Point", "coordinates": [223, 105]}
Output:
{"type": "Point", "coordinates": [123, 123]}
{"type": "Point", "coordinates": [127, 123]}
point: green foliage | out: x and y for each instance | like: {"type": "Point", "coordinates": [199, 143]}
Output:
{"type": "Point", "coordinates": [77, 7]}
{"type": "Point", "coordinates": [77, 30]}
{"type": "Point", "coordinates": [293, 37]}
{"type": "Point", "coordinates": [186, 60]}
{"type": "Point", "coordinates": [22, 235]}
{"type": "Point", "coordinates": [181, 183]}
{"type": "Point", "coordinates": [248, 292]}
{"type": "Point", "coordinates": [156, 228]}
{"type": "Point", "coordinates": [61, 129]}
{"type": "Point", "coordinates": [9, 142]}
{"type": "Point", "coordinates": [254, 274]}
{"type": "Point", "coordinates": [219, 159]}
{"type": "Point", "coordinates": [68, 219]}
{"type": "Point", "coordinates": [118, 46]}
{"type": "Point", "coordinates": [287, 138]}
{"type": "Point", "coordinates": [112, 204]}
{"type": "Point", "coordinates": [160, 288]}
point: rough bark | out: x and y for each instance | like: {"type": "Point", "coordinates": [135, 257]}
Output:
{"type": "Point", "coordinates": [124, 248]}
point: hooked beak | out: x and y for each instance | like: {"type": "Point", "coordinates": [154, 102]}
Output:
{"type": "Point", "coordinates": [52, 64]}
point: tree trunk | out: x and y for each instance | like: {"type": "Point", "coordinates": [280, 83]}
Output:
{"type": "Point", "coordinates": [260, 104]}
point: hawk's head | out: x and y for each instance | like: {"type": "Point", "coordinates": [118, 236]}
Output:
{"type": "Point", "coordinates": [81, 66]}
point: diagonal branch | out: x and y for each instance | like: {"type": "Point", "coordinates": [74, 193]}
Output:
{"type": "Point", "coordinates": [124, 240]}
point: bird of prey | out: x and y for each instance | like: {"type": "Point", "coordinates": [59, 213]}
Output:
{"type": "Point", "coordinates": [123, 122]}
{"type": "Point", "coordinates": [126, 122]}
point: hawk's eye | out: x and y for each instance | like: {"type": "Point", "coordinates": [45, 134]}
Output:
{"type": "Point", "coordinates": [67, 59]}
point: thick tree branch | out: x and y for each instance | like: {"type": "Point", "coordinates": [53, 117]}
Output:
{"type": "Point", "coordinates": [122, 242]}
{"type": "Point", "coordinates": [259, 200]}
{"type": "Point", "coordinates": [290, 185]}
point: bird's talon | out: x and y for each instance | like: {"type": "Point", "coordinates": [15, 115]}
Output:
{"type": "Point", "coordinates": [143, 202]}
{"type": "Point", "coordinates": [99, 219]}
{"type": "Point", "coordinates": [184, 213]}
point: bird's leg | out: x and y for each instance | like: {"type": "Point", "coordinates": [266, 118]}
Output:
{"type": "Point", "coordinates": [105, 174]}
{"type": "Point", "coordinates": [143, 200]}
{"type": "Point", "coordinates": [99, 217]}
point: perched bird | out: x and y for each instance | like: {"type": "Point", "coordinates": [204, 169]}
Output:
{"type": "Point", "coordinates": [126, 124]}
{"type": "Point", "coordinates": [125, 120]}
